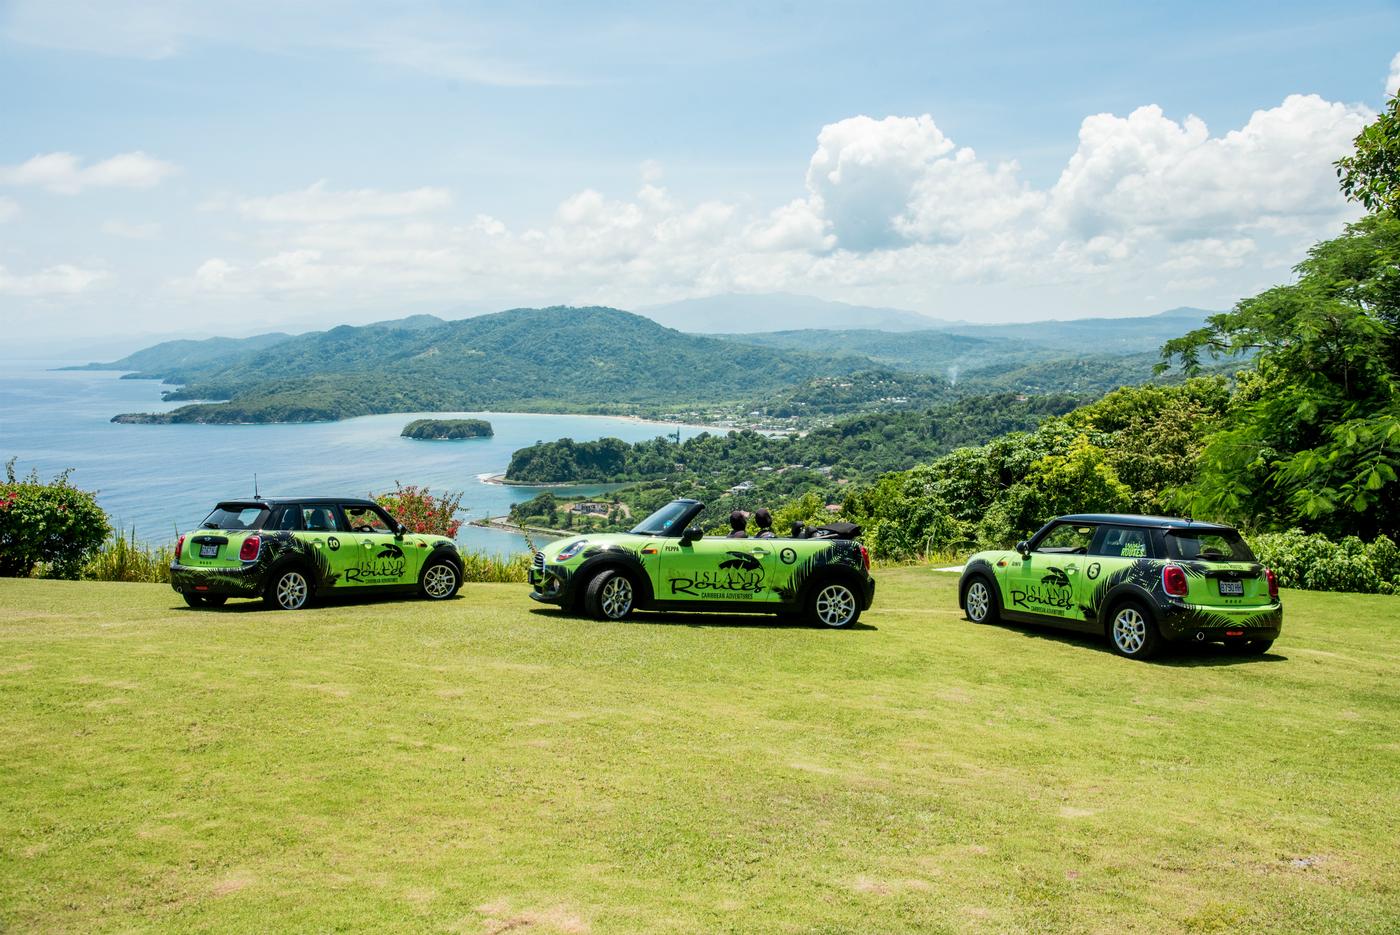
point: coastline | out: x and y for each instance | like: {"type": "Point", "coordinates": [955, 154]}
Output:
{"type": "Point", "coordinates": [504, 524]}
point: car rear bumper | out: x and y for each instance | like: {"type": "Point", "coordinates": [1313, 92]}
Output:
{"type": "Point", "coordinates": [1213, 625]}
{"type": "Point", "coordinates": [868, 597]}
{"type": "Point", "coordinates": [226, 582]}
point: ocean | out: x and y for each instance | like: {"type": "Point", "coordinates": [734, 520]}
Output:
{"type": "Point", "coordinates": [159, 479]}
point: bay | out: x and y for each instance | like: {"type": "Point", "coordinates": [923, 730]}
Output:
{"type": "Point", "coordinates": [159, 479]}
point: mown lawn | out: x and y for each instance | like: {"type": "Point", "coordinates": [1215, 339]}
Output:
{"type": "Point", "coordinates": [488, 765]}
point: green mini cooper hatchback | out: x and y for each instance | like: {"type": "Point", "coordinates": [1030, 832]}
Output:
{"type": "Point", "coordinates": [288, 551]}
{"type": "Point", "coordinates": [1141, 581]}
{"type": "Point", "coordinates": [667, 563]}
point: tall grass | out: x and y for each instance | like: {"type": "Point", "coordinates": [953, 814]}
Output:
{"type": "Point", "coordinates": [490, 569]}
{"type": "Point", "coordinates": [123, 558]}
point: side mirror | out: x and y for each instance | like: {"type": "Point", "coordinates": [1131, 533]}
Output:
{"type": "Point", "coordinates": [1024, 548]}
{"type": "Point", "coordinates": [692, 534]}
{"type": "Point", "coordinates": [399, 530]}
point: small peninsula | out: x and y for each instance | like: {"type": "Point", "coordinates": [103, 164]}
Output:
{"type": "Point", "coordinates": [446, 429]}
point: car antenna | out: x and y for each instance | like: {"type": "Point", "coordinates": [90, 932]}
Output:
{"type": "Point", "coordinates": [255, 486]}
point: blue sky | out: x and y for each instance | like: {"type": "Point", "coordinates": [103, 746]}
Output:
{"type": "Point", "coordinates": [345, 162]}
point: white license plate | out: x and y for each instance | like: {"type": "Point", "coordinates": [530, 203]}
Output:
{"type": "Point", "coordinates": [208, 551]}
{"type": "Point", "coordinates": [1232, 588]}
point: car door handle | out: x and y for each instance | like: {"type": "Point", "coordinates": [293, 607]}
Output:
{"type": "Point", "coordinates": [760, 551]}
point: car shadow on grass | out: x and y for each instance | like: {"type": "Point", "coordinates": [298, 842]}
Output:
{"type": "Point", "coordinates": [700, 619]}
{"type": "Point", "coordinates": [1182, 655]}
{"type": "Point", "coordinates": [256, 605]}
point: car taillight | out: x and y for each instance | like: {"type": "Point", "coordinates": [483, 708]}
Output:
{"type": "Point", "coordinates": [1174, 580]}
{"type": "Point", "coordinates": [249, 551]}
{"type": "Point", "coordinates": [1273, 582]}
{"type": "Point", "coordinates": [179, 544]}
{"type": "Point", "coordinates": [865, 557]}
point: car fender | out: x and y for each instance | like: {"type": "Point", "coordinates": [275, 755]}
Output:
{"type": "Point", "coordinates": [825, 574]}
{"type": "Point", "coordinates": [974, 568]}
{"type": "Point", "coordinates": [620, 558]}
{"type": "Point", "coordinates": [443, 551]}
{"type": "Point", "coordinates": [1129, 591]}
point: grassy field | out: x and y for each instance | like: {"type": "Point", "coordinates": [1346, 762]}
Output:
{"type": "Point", "coordinates": [488, 765]}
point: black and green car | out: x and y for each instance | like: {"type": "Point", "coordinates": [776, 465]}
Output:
{"type": "Point", "coordinates": [290, 551]}
{"type": "Point", "coordinates": [1141, 581]}
{"type": "Point", "coordinates": [667, 563]}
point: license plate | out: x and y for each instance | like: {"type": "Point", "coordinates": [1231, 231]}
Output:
{"type": "Point", "coordinates": [1232, 588]}
{"type": "Point", "coordinates": [209, 551]}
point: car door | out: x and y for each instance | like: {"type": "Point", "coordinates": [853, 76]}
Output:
{"type": "Point", "coordinates": [323, 529]}
{"type": "Point", "coordinates": [718, 570]}
{"type": "Point", "coordinates": [382, 557]}
{"type": "Point", "coordinates": [1046, 582]}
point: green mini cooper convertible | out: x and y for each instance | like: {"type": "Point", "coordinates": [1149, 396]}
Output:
{"type": "Point", "coordinates": [667, 563]}
{"type": "Point", "coordinates": [1140, 580]}
{"type": "Point", "coordinates": [287, 551]}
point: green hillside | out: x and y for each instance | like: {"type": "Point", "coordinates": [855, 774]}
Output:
{"type": "Point", "coordinates": [167, 357]}
{"type": "Point", "coordinates": [578, 359]}
{"type": "Point", "coordinates": [486, 765]}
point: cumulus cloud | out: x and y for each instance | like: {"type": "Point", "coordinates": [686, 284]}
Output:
{"type": "Point", "coordinates": [318, 203]}
{"type": "Point", "coordinates": [63, 279]}
{"type": "Point", "coordinates": [894, 212]}
{"type": "Point", "coordinates": [64, 173]}
{"type": "Point", "coordinates": [1392, 80]}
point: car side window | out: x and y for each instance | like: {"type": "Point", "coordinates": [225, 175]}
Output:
{"type": "Point", "coordinates": [365, 519]}
{"type": "Point", "coordinates": [287, 519]}
{"type": "Point", "coordinates": [1067, 539]}
{"type": "Point", "coordinates": [1122, 542]}
{"type": "Point", "coordinates": [319, 519]}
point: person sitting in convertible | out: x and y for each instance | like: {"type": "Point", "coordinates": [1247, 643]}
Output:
{"type": "Point", "coordinates": [738, 525]}
{"type": "Point", "coordinates": [764, 519]}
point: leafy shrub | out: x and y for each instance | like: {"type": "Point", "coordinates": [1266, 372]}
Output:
{"type": "Point", "coordinates": [422, 512]}
{"type": "Point", "coordinates": [479, 567]}
{"type": "Point", "coordinates": [122, 558]}
{"type": "Point", "coordinates": [54, 525]}
{"type": "Point", "coordinates": [1315, 563]}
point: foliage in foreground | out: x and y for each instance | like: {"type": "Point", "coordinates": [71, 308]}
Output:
{"type": "Point", "coordinates": [421, 512]}
{"type": "Point", "coordinates": [123, 558]}
{"type": "Point", "coordinates": [54, 525]}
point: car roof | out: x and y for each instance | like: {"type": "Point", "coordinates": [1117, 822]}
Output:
{"type": "Point", "coordinates": [1132, 519]}
{"type": "Point", "coordinates": [307, 501]}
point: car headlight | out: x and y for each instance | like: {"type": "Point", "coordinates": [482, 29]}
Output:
{"type": "Point", "coordinates": [570, 550]}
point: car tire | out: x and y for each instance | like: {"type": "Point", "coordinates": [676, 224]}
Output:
{"type": "Point", "coordinates": [289, 589]}
{"type": "Point", "coordinates": [610, 595]}
{"type": "Point", "coordinates": [981, 602]}
{"type": "Point", "coordinates": [832, 603]}
{"type": "Point", "coordinates": [1132, 632]}
{"type": "Point", "coordinates": [201, 601]}
{"type": "Point", "coordinates": [440, 580]}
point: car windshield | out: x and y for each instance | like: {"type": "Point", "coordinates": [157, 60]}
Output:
{"type": "Point", "coordinates": [1207, 545]}
{"type": "Point", "coordinates": [664, 521]}
{"type": "Point", "coordinates": [234, 516]}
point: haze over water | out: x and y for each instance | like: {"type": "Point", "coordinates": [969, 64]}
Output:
{"type": "Point", "coordinates": [163, 477]}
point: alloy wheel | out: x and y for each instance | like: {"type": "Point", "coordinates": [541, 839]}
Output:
{"type": "Point", "coordinates": [836, 605]}
{"type": "Point", "coordinates": [291, 590]}
{"type": "Point", "coordinates": [617, 597]}
{"type": "Point", "coordinates": [439, 581]}
{"type": "Point", "coordinates": [1129, 631]}
{"type": "Point", "coordinates": [978, 602]}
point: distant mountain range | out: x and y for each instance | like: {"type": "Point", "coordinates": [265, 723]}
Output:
{"type": "Point", "coordinates": [606, 360]}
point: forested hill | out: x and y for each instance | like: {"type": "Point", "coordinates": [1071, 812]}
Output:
{"type": "Point", "coordinates": [158, 360]}
{"type": "Point", "coordinates": [578, 359]}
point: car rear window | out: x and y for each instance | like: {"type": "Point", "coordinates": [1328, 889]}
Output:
{"type": "Point", "coordinates": [1199, 545]}
{"type": "Point", "coordinates": [235, 516]}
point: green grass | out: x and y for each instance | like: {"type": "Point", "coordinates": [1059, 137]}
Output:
{"type": "Point", "coordinates": [486, 764]}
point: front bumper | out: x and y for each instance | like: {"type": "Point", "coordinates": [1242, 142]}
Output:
{"type": "Point", "coordinates": [221, 582]}
{"type": "Point", "coordinates": [550, 584]}
{"type": "Point", "coordinates": [1186, 624]}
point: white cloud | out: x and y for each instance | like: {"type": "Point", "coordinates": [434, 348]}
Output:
{"type": "Point", "coordinates": [63, 279]}
{"type": "Point", "coordinates": [9, 209]}
{"type": "Point", "coordinates": [63, 172]}
{"type": "Point", "coordinates": [1147, 210]}
{"type": "Point", "coordinates": [319, 204]}
{"type": "Point", "coordinates": [129, 231]}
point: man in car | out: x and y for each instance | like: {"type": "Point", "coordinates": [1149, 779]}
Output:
{"type": "Point", "coordinates": [764, 519]}
{"type": "Point", "coordinates": [738, 525]}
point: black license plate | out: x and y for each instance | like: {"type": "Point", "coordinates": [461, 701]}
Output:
{"type": "Point", "coordinates": [209, 551]}
{"type": "Point", "coordinates": [1231, 588]}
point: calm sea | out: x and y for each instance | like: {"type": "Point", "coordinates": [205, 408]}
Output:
{"type": "Point", "coordinates": [159, 478]}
